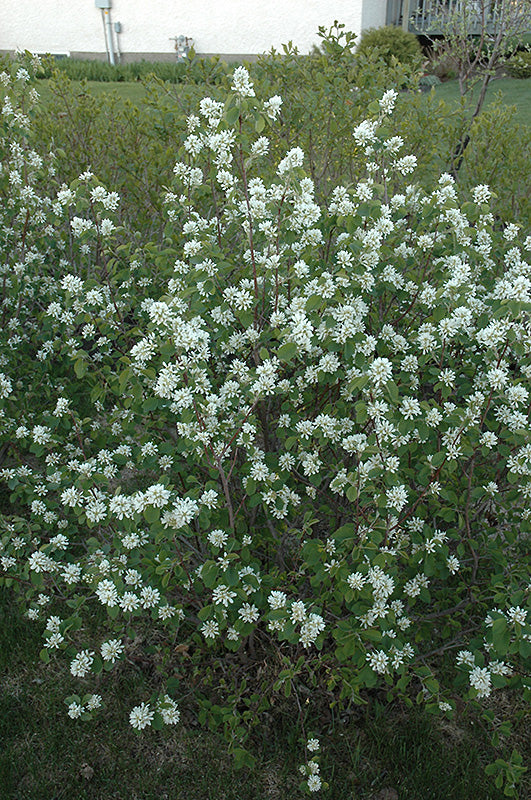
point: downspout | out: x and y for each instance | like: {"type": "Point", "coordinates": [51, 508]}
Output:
{"type": "Point", "coordinates": [105, 34]}
{"type": "Point", "coordinates": [108, 28]}
{"type": "Point", "coordinates": [105, 6]}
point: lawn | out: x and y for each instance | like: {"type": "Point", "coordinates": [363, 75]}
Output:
{"type": "Point", "coordinates": [514, 92]}
{"type": "Point", "coordinates": [133, 91]}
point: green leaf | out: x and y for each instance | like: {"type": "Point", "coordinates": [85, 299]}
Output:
{"type": "Point", "coordinates": [157, 722]}
{"type": "Point", "coordinates": [80, 367]}
{"type": "Point", "coordinates": [392, 390]}
{"type": "Point", "coordinates": [231, 114]}
{"type": "Point", "coordinates": [36, 580]}
{"type": "Point", "coordinates": [209, 574]}
{"type": "Point", "coordinates": [361, 412]}
{"type": "Point", "coordinates": [501, 636]}
{"type": "Point", "coordinates": [243, 758]}
{"type": "Point", "coordinates": [151, 514]}
{"type": "Point", "coordinates": [438, 459]}
{"type": "Point", "coordinates": [287, 351]}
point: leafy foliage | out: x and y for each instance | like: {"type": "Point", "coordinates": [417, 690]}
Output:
{"type": "Point", "coordinates": [519, 66]}
{"type": "Point", "coordinates": [194, 70]}
{"type": "Point", "coordinates": [393, 44]}
{"type": "Point", "coordinates": [291, 431]}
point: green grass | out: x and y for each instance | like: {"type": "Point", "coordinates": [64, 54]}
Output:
{"type": "Point", "coordinates": [379, 752]}
{"type": "Point", "coordinates": [513, 92]}
{"type": "Point", "coordinates": [134, 91]}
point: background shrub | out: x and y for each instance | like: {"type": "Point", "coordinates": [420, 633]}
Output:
{"type": "Point", "coordinates": [391, 42]}
{"type": "Point", "coordinates": [519, 66]}
{"type": "Point", "coordinates": [193, 70]}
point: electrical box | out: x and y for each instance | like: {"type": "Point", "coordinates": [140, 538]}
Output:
{"type": "Point", "coordinates": [182, 46]}
{"type": "Point", "coordinates": [103, 3]}
{"type": "Point", "coordinates": [117, 27]}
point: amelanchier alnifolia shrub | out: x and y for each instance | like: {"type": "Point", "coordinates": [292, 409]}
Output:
{"type": "Point", "coordinates": [296, 429]}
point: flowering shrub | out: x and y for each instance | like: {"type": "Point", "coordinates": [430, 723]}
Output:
{"type": "Point", "coordinates": [294, 430]}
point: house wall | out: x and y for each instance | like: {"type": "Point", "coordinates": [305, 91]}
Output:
{"type": "Point", "coordinates": [227, 27]}
{"type": "Point", "coordinates": [373, 14]}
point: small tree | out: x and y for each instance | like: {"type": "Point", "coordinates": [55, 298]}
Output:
{"type": "Point", "coordinates": [477, 37]}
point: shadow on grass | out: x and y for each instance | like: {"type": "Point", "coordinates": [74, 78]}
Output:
{"type": "Point", "coordinates": [378, 752]}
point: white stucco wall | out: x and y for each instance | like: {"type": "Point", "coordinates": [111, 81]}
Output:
{"type": "Point", "coordinates": [373, 14]}
{"type": "Point", "coordinates": [216, 26]}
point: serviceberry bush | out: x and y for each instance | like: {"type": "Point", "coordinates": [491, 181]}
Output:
{"type": "Point", "coordinates": [296, 433]}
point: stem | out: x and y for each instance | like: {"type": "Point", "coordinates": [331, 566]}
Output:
{"type": "Point", "coordinates": [226, 492]}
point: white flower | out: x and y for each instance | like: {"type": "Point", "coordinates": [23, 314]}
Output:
{"type": "Point", "coordinates": [6, 386]}
{"type": "Point", "coordinates": [481, 194]}
{"type": "Point", "coordinates": [406, 165]}
{"type": "Point", "coordinates": [378, 661]}
{"type": "Point", "coordinates": [107, 593]}
{"type": "Point", "coordinates": [210, 629]}
{"type": "Point", "coordinates": [356, 580]}
{"type": "Point", "coordinates": [80, 226]}
{"type": "Point", "coordinates": [312, 745]}
{"type": "Point", "coordinates": [106, 227]}
{"type": "Point", "coordinates": [517, 614]}
{"type": "Point", "coordinates": [381, 371]}
{"type": "Point", "coordinates": [111, 650]}
{"type": "Point", "coordinates": [248, 613]}
{"type": "Point", "coordinates": [129, 601]}
{"type": "Point", "coordinates": [149, 596]}
{"type": "Point", "coordinates": [222, 595]}
{"type": "Point", "coordinates": [241, 83]}
{"type": "Point", "coordinates": [218, 538]}
{"type": "Point", "coordinates": [75, 710]}
{"type": "Point", "coordinates": [410, 407]}
{"type": "Point", "coordinates": [81, 664]}
{"type": "Point", "coordinates": [314, 783]}
{"type": "Point", "coordinates": [277, 600]}
{"type": "Point", "coordinates": [365, 132]}
{"type": "Point", "coordinates": [54, 640]}
{"type": "Point", "coordinates": [260, 147]}
{"type": "Point", "coordinates": [298, 611]}
{"type": "Point", "coordinates": [453, 564]}
{"type": "Point", "coordinates": [397, 497]}
{"type": "Point", "coordinates": [272, 106]}
{"type": "Point", "coordinates": [94, 702]}
{"type": "Point", "coordinates": [71, 573]}
{"type": "Point", "coordinates": [480, 680]}
{"type": "Point", "coordinates": [293, 158]}
{"type": "Point", "coordinates": [41, 434]}
{"type": "Point", "coordinates": [465, 657]}
{"type": "Point", "coordinates": [141, 716]}
{"type": "Point", "coordinates": [387, 102]}
{"type": "Point", "coordinates": [157, 495]}
{"type": "Point", "coordinates": [169, 711]}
